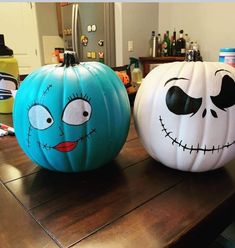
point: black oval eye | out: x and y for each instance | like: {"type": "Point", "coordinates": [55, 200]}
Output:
{"type": "Point", "coordinates": [180, 103]}
{"type": "Point", "coordinates": [226, 97]}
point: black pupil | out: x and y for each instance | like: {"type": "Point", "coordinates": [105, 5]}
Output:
{"type": "Point", "coordinates": [49, 120]}
{"type": "Point", "coordinates": [85, 113]}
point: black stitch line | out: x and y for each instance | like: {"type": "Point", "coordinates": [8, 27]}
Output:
{"type": "Point", "coordinates": [46, 90]}
{"type": "Point", "coordinates": [28, 135]}
{"type": "Point", "coordinates": [174, 141]}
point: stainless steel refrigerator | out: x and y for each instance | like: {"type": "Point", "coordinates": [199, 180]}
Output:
{"type": "Point", "coordinates": [89, 30]}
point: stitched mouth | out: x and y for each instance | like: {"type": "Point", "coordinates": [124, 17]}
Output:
{"type": "Point", "coordinates": [192, 148]}
{"type": "Point", "coordinates": [67, 146]}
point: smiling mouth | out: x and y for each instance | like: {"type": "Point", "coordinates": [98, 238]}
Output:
{"type": "Point", "coordinates": [66, 146]}
{"type": "Point", "coordinates": [192, 148]}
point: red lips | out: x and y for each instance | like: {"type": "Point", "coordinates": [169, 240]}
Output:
{"type": "Point", "coordinates": [66, 146]}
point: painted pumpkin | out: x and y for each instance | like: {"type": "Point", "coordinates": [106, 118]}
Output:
{"type": "Point", "coordinates": [72, 118]}
{"type": "Point", "coordinates": [184, 114]}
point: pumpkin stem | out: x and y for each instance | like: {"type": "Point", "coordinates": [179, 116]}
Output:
{"type": "Point", "coordinates": [70, 59]}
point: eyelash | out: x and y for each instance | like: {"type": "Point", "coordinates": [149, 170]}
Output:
{"type": "Point", "coordinates": [81, 96]}
{"type": "Point", "coordinates": [33, 104]}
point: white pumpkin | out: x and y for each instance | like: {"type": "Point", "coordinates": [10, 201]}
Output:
{"type": "Point", "coordinates": [184, 113]}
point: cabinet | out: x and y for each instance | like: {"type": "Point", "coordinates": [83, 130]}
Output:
{"type": "Point", "coordinates": [19, 26]}
{"type": "Point", "coordinates": [150, 62]}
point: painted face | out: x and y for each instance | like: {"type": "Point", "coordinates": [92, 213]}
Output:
{"type": "Point", "coordinates": [59, 129]}
{"type": "Point", "coordinates": [192, 128]}
{"type": "Point", "coordinates": [76, 112]}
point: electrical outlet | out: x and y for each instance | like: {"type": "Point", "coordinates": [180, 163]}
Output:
{"type": "Point", "coordinates": [130, 46]}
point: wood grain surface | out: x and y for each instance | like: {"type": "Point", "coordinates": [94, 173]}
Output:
{"type": "Point", "coordinates": [133, 201]}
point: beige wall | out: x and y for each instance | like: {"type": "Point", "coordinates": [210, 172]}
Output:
{"type": "Point", "coordinates": [134, 22]}
{"type": "Point", "coordinates": [211, 24]}
{"type": "Point", "coordinates": [48, 30]}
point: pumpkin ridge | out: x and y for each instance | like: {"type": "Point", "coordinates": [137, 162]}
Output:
{"type": "Point", "coordinates": [82, 95]}
{"type": "Point", "coordinates": [155, 103]}
{"type": "Point", "coordinates": [225, 137]}
{"type": "Point", "coordinates": [195, 157]}
{"type": "Point", "coordinates": [45, 78]}
{"type": "Point", "coordinates": [180, 121]}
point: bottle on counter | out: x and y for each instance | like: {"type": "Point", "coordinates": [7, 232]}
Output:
{"type": "Point", "coordinates": [136, 73]}
{"type": "Point", "coordinates": [159, 45]}
{"type": "Point", "coordinates": [173, 44]}
{"type": "Point", "coordinates": [181, 45]}
{"type": "Point", "coordinates": [187, 42]}
{"type": "Point", "coordinates": [164, 45]}
{"type": "Point", "coordinates": [168, 41]}
{"type": "Point", "coordinates": [153, 45]}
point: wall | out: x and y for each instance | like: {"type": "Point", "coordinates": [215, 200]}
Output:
{"type": "Point", "coordinates": [134, 22]}
{"type": "Point", "coordinates": [211, 24]}
{"type": "Point", "coordinates": [48, 30]}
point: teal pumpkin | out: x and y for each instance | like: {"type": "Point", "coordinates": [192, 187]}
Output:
{"type": "Point", "coordinates": [72, 118]}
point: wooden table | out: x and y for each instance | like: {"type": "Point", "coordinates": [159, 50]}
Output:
{"type": "Point", "coordinates": [147, 61]}
{"type": "Point", "coordinates": [133, 202]}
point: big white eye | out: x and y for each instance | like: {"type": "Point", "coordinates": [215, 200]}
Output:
{"type": "Point", "coordinates": [77, 112]}
{"type": "Point", "coordinates": [40, 117]}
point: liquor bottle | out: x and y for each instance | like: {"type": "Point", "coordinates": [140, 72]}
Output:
{"type": "Point", "coordinates": [159, 45]}
{"type": "Point", "coordinates": [173, 44]}
{"type": "Point", "coordinates": [180, 45]}
{"type": "Point", "coordinates": [164, 45]}
{"type": "Point", "coordinates": [153, 45]}
{"type": "Point", "coordinates": [187, 42]}
{"type": "Point", "coordinates": [168, 43]}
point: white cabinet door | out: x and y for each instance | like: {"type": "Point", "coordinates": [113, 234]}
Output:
{"type": "Point", "coordinates": [19, 25]}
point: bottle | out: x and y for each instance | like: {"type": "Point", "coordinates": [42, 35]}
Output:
{"type": "Point", "coordinates": [136, 73]}
{"type": "Point", "coordinates": [187, 42]}
{"type": "Point", "coordinates": [159, 45]}
{"type": "Point", "coordinates": [9, 77]}
{"type": "Point", "coordinates": [180, 45]}
{"type": "Point", "coordinates": [153, 45]}
{"type": "Point", "coordinates": [168, 42]}
{"type": "Point", "coordinates": [173, 44]}
{"type": "Point", "coordinates": [164, 46]}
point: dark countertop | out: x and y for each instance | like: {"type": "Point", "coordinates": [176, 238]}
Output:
{"type": "Point", "coordinates": [132, 202]}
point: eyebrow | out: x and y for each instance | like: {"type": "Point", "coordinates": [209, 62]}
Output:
{"type": "Point", "coordinates": [222, 70]}
{"type": "Point", "coordinates": [173, 79]}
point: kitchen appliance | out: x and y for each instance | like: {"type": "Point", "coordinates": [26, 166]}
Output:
{"type": "Point", "coordinates": [89, 30]}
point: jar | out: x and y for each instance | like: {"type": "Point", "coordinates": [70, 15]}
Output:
{"type": "Point", "coordinates": [9, 75]}
{"type": "Point", "coordinates": [227, 55]}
